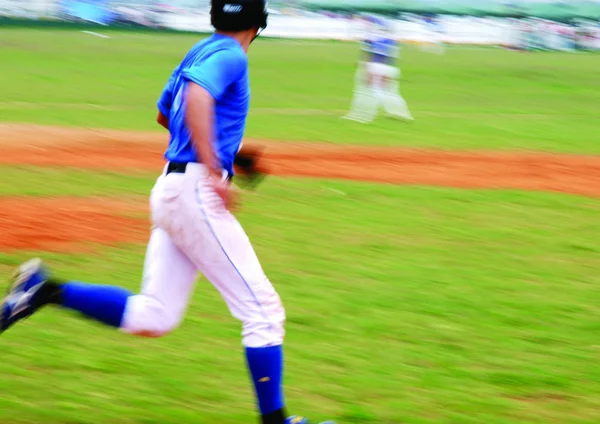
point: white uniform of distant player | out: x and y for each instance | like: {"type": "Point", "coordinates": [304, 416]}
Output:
{"type": "Point", "coordinates": [376, 83]}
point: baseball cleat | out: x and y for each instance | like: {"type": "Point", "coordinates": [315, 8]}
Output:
{"type": "Point", "coordinates": [301, 420]}
{"type": "Point", "coordinates": [26, 282]}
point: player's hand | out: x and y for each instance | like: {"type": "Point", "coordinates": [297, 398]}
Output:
{"type": "Point", "coordinates": [226, 192]}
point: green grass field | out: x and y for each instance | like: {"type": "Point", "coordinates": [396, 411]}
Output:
{"type": "Point", "coordinates": [470, 98]}
{"type": "Point", "coordinates": [405, 305]}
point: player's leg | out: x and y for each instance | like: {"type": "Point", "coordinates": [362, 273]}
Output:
{"type": "Point", "coordinates": [358, 91]}
{"type": "Point", "coordinates": [167, 284]}
{"type": "Point", "coordinates": [363, 99]}
{"type": "Point", "coordinates": [371, 101]}
{"type": "Point", "coordinates": [222, 251]}
{"type": "Point", "coordinates": [380, 91]}
{"type": "Point", "coordinates": [168, 281]}
{"type": "Point", "coordinates": [393, 103]}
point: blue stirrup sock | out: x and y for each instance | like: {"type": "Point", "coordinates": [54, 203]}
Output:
{"type": "Point", "coordinates": [266, 370]}
{"type": "Point", "coordinates": [102, 303]}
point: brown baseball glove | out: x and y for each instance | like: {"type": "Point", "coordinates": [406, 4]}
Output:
{"type": "Point", "coordinates": [249, 171]}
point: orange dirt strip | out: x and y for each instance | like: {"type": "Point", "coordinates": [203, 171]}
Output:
{"type": "Point", "coordinates": [122, 150]}
{"type": "Point", "coordinates": [52, 224]}
{"type": "Point", "coordinates": [69, 224]}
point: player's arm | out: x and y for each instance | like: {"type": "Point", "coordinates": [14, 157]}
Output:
{"type": "Point", "coordinates": [207, 82]}
{"type": "Point", "coordinates": [199, 119]}
{"type": "Point", "coordinates": [165, 102]}
{"type": "Point", "coordinates": [162, 120]}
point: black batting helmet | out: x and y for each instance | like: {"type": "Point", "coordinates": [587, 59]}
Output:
{"type": "Point", "coordinates": [238, 15]}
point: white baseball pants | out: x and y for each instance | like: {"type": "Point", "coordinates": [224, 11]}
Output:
{"type": "Point", "coordinates": [383, 90]}
{"type": "Point", "coordinates": [194, 233]}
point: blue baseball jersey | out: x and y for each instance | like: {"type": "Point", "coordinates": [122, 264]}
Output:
{"type": "Point", "coordinates": [381, 50]}
{"type": "Point", "coordinates": [219, 65]}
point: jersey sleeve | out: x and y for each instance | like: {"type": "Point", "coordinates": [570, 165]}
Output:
{"type": "Point", "coordinates": [216, 73]}
{"type": "Point", "coordinates": [165, 100]}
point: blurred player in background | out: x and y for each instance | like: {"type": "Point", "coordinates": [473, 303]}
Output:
{"type": "Point", "coordinates": [376, 82]}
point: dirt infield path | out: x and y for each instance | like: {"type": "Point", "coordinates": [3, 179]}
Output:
{"type": "Point", "coordinates": [69, 224]}
{"type": "Point", "coordinates": [22, 219]}
{"type": "Point", "coordinates": [122, 150]}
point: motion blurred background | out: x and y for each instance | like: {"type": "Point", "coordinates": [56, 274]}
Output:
{"type": "Point", "coordinates": [535, 24]}
{"type": "Point", "coordinates": [438, 271]}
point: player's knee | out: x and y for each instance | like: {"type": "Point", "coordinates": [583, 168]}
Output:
{"type": "Point", "coordinates": [147, 317]}
{"type": "Point", "coordinates": [265, 327]}
{"type": "Point", "coordinates": [261, 334]}
{"type": "Point", "coordinates": [158, 326]}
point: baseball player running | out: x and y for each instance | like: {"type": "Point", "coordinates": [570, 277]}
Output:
{"type": "Point", "coordinates": [204, 106]}
{"type": "Point", "coordinates": [376, 81]}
